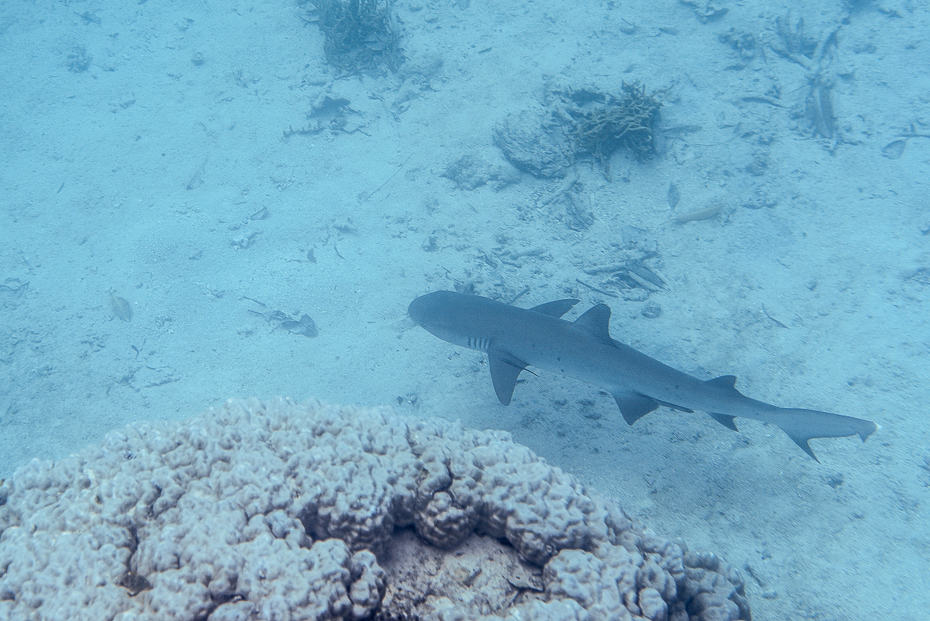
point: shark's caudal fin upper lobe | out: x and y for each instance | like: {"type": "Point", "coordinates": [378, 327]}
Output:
{"type": "Point", "coordinates": [801, 425]}
{"type": "Point", "coordinates": [804, 425]}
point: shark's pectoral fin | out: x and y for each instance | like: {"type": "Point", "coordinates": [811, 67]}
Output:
{"type": "Point", "coordinates": [505, 369]}
{"type": "Point", "coordinates": [725, 420]}
{"type": "Point", "coordinates": [633, 406]}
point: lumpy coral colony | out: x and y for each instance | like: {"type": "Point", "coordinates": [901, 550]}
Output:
{"type": "Point", "coordinates": [274, 510]}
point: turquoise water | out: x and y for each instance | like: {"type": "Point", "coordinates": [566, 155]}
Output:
{"type": "Point", "coordinates": [199, 204]}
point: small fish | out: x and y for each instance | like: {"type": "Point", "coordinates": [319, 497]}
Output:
{"type": "Point", "coordinates": [305, 326]}
{"type": "Point", "coordinates": [701, 214]}
{"type": "Point", "coordinates": [894, 149]}
{"type": "Point", "coordinates": [647, 274]}
{"type": "Point", "coordinates": [673, 195]}
{"type": "Point", "coordinates": [120, 307]}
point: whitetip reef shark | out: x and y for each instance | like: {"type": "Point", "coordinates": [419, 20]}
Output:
{"type": "Point", "coordinates": [514, 338]}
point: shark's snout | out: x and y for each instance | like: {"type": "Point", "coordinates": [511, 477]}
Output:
{"type": "Point", "coordinates": [417, 310]}
{"type": "Point", "coordinates": [427, 309]}
{"type": "Point", "coordinates": [437, 313]}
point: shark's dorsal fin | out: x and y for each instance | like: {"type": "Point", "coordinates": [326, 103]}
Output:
{"type": "Point", "coordinates": [556, 308]}
{"type": "Point", "coordinates": [596, 321]}
{"type": "Point", "coordinates": [633, 406]}
{"type": "Point", "coordinates": [505, 369]}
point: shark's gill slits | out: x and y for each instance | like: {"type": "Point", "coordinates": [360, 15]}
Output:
{"type": "Point", "coordinates": [478, 342]}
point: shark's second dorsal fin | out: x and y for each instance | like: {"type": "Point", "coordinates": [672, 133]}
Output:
{"type": "Point", "coordinates": [556, 308]}
{"type": "Point", "coordinates": [596, 321]}
{"type": "Point", "coordinates": [504, 372]}
{"type": "Point", "coordinates": [724, 380]}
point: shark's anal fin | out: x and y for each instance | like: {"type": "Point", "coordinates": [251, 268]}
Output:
{"type": "Point", "coordinates": [505, 369]}
{"type": "Point", "coordinates": [728, 384]}
{"type": "Point", "coordinates": [633, 406]}
{"type": "Point", "coordinates": [802, 441]}
{"type": "Point", "coordinates": [556, 308]}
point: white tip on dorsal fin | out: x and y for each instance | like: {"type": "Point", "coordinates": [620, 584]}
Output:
{"type": "Point", "coordinates": [556, 308]}
{"type": "Point", "coordinates": [596, 321]}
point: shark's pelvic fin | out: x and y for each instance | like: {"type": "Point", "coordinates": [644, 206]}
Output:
{"type": "Point", "coordinates": [633, 406]}
{"type": "Point", "coordinates": [556, 308]}
{"type": "Point", "coordinates": [505, 369]}
{"type": "Point", "coordinates": [596, 322]}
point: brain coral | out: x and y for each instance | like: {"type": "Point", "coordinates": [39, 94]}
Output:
{"type": "Point", "coordinates": [274, 510]}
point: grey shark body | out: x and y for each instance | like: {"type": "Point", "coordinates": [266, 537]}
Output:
{"type": "Point", "coordinates": [515, 338]}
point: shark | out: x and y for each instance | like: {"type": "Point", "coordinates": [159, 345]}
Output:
{"type": "Point", "coordinates": [516, 338]}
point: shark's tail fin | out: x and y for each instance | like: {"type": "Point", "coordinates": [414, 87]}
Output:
{"type": "Point", "coordinates": [802, 425]}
